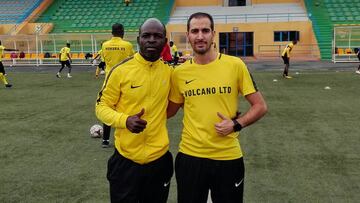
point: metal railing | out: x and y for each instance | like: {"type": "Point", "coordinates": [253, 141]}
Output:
{"type": "Point", "coordinates": [246, 18]}
{"type": "Point", "coordinates": [304, 50]}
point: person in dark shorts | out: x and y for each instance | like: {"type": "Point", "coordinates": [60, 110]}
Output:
{"type": "Point", "coordinates": [100, 68]}
{"type": "Point", "coordinates": [286, 58]}
{"type": "Point", "coordinates": [207, 87]}
{"type": "Point", "coordinates": [2, 69]}
{"type": "Point", "coordinates": [65, 60]}
{"type": "Point", "coordinates": [358, 55]}
{"type": "Point", "coordinates": [133, 100]}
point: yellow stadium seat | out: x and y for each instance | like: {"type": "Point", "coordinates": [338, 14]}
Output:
{"type": "Point", "coordinates": [41, 55]}
{"type": "Point", "coordinates": [81, 56]}
{"type": "Point", "coordinates": [33, 56]}
{"type": "Point", "coordinates": [7, 56]}
{"type": "Point", "coordinates": [27, 55]}
{"type": "Point", "coordinates": [75, 55]}
{"type": "Point", "coordinates": [348, 51]}
{"type": "Point", "coordinates": [340, 51]}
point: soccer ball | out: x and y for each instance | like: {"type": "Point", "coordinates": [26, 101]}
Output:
{"type": "Point", "coordinates": [102, 72]}
{"type": "Point", "coordinates": [96, 131]}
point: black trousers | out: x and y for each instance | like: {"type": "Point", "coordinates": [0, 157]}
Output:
{"type": "Point", "coordinates": [131, 182]}
{"type": "Point", "coordinates": [63, 63]}
{"type": "Point", "coordinates": [196, 176]}
{"type": "Point", "coordinates": [286, 59]}
{"type": "Point", "coordinates": [102, 65]}
{"type": "Point", "coordinates": [2, 69]}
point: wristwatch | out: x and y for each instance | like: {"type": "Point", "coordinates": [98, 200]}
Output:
{"type": "Point", "coordinates": [237, 126]}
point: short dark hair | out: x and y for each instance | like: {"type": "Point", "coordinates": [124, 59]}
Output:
{"type": "Point", "coordinates": [294, 41]}
{"type": "Point", "coordinates": [153, 19]}
{"type": "Point", "coordinates": [68, 44]}
{"type": "Point", "coordinates": [117, 30]}
{"type": "Point", "coordinates": [201, 15]}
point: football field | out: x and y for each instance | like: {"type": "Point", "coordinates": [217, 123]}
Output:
{"type": "Point", "coordinates": [306, 149]}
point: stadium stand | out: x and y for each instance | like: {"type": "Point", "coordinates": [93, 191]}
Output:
{"type": "Point", "coordinates": [325, 14]}
{"type": "Point", "coordinates": [97, 16]}
{"type": "Point", "coordinates": [282, 12]}
{"type": "Point", "coordinates": [15, 12]}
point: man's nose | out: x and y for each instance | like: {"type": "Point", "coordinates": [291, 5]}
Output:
{"type": "Point", "coordinates": [152, 38]}
{"type": "Point", "coordinates": [200, 35]}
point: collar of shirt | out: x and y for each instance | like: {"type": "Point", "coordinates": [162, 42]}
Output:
{"type": "Point", "coordinates": [117, 38]}
{"type": "Point", "coordinates": [143, 61]}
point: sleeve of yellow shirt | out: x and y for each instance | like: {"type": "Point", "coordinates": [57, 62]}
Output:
{"type": "Point", "coordinates": [107, 101]}
{"type": "Point", "coordinates": [175, 95]}
{"type": "Point", "coordinates": [246, 84]}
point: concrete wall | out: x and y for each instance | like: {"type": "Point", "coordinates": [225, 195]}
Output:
{"type": "Point", "coordinates": [263, 34]}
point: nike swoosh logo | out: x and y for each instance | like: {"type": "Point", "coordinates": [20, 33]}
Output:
{"type": "Point", "coordinates": [188, 81]}
{"type": "Point", "coordinates": [166, 184]}
{"type": "Point", "coordinates": [134, 86]}
{"type": "Point", "coordinates": [237, 184]}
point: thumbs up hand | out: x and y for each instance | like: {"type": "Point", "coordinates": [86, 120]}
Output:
{"type": "Point", "coordinates": [135, 124]}
{"type": "Point", "coordinates": [225, 126]}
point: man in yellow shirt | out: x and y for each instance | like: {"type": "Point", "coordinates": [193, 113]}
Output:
{"type": "Point", "coordinates": [65, 59]}
{"type": "Point", "coordinates": [133, 100]}
{"type": "Point", "coordinates": [101, 65]}
{"type": "Point", "coordinates": [208, 88]}
{"type": "Point", "coordinates": [286, 58]}
{"type": "Point", "coordinates": [2, 69]}
{"type": "Point", "coordinates": [174, 53]}
{"type": "Point", "coordinates": [114, 51]}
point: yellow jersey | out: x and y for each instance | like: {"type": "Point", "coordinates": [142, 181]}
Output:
{"type": "Point", "coordinates": [130, 86]}
{"type": "Point", "coordinates": [64, 53]}
{"type": "Point", "coordinates": [174, 51]}
{"type": "Point", "coordinates": [2, 48]}
{"type": "Point", "coordinates": [114, 51]}
{"type": "Point", "coordinates": [287, 50]}
{"type": "Point", "coordinates": [205, 90]}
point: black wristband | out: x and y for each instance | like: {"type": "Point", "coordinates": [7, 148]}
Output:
{"type": "Point", "coordinates": [237, 126]}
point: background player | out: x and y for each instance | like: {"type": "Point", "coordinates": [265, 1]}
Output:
{"type": "Point", "coordinates": [101, 65]}
{"type": "Point", "coordinates": [2, 69]}
{"type": "Point", "coordinates": [286, 58]}
{"type": "Point", "coordinates": [358, 55]}
{"type": "Point", "coordinates": [65, 59]}
{"type": "Point", "coordinates": [114, 51]}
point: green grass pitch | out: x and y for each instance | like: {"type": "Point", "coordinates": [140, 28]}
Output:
{"type": "Point", "coordinates": [306, 149]}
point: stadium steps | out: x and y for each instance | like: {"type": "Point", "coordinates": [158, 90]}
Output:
{"type": "Point", "coordinates": [98, 16]}
{"type": "Point", "coordinates": [322, 27]}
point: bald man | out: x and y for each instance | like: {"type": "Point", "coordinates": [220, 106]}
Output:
{"type": "Point", "coordinates": [133, 101]}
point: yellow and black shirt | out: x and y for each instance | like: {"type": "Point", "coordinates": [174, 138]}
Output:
{"type": "Point", "coordinates": [114, 51]}
{"type": "Point", "coordinates": [2, 48]}
{"type": "Point", "coordinates": [129, 87]}
{"type": "Point", "coordinates": [287, 50]}
{"type": "Point", "coordinates": [64, 53]}
{"type": "Point", "coordinates": [205, 90]}
{"type": "Point", "coordinates": [174, 51]}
